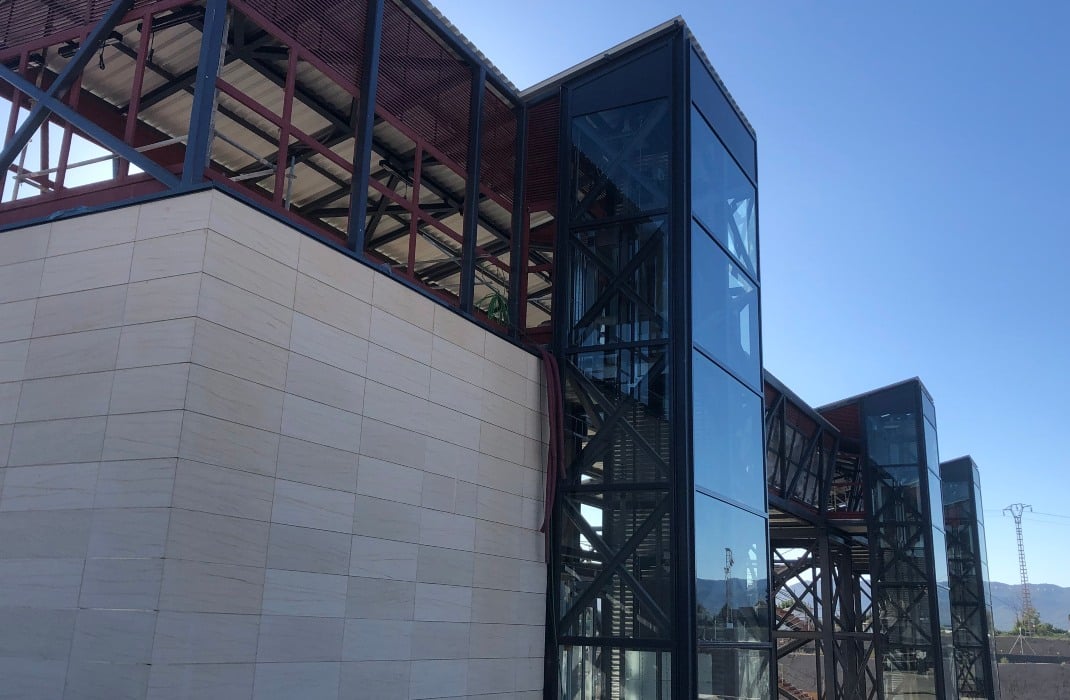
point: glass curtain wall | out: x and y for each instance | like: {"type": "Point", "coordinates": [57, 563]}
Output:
{"type": "Point", "coordinates": [971, 599]}
{"type": "Point", "coordinates": [615, 565]}
{"type": "Point", "coordinates": [731, 552]}
{"type": "Point", "coordinates": [909, 562]}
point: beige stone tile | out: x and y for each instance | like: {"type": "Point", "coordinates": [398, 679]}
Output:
{"type": "Point", "coordinates": [113, 636]}
{"type": "Point", "coordinates": [230, 398]}
{"type": "Point", "coordinates": [509, 415]}
{"type": "Point", "coordinates": [73, 353]}
{"type": "Point", "coordinates": [288, 638]}
{"type": "Point", "coordinates": [447, 530]}
{"type": "Point", "coordinates": [438, 492]}
{"type": "Point", "coordinates": [375, 679]}
{"type": "Point", "coordinates": [373, 557]}
{"type": "Point", "coordinates": [440, 640]}
{"type": "Point", "coordinates": [114, 583]}
{"type": "Point", "coordinates": [306, 549]}
{"type": "Point", "coordinates": [508, 384]}
{"type": "Point", "coordinates": [380, 599]}
{"type": "Point", "coordinates": [500, 474]}
{"type": "Point", "coordinates": [167, 256]}
{"type": "Point", "coordinates": [499, 506]}
{"type": "Point", "coordinates": [159, 388]}
{"type": "Point", "coordinates": [203, 681]}
{"type": "Point", "coordinates": [312, 463]}
{"type": "Point", "coordinates": [457, 361]}
{"type": "Point", "coordinates": [219, 539]}
{"type": "Point", "coordinates": [316, 422]}
{"type": "Point", "coordinates": [16, 320]}
{"type": "Point", "coordinates": [205, 639]}
{"type": "Point", "coordinates": [451, 326]}
{"type": "Point", "coordinates": [195, 586]}
{"type": "Point", "coordinates": [159, 343]}
{"type": "Point", "coordinates": [448, 459]}
{"type": "Point", "coordinates": [9, 401]}
{"type": "Point", "coordinates": [325, 303]}
{"type": "Point", "coordinates": [90, 269]}
{"type": "Point", "coordinates": [467, 501]}
{"type": "Point", "coordinates": [491, 641]}
{"type": "Point", "coordinates": [440, 603]}
{"type": "Point", "coordinates": [396, 334]}
{"type": "Point", "coordinates": [98, 230]}
{"type": "Point", "coordinates": [392, 443]}
{"type": "Point", "coordinates": [459, 395]}
{"type": "Point", "coordinates": [23, 244]}
{"type": "Point", "coordinates": [212, 489]}
{"type": "Point", "coordinates": [445, 566]}
{"type": "Point", "coordinates": [335, 268]}
{"type": "Point", "coordinates": [400, 301]}
{"type": "Point", "coordinates": [304, 594]}
{"type": "Point", "coordinates": [486, 676]}
{"type": "Point", "coordinates": [501, 443]}
{"type": "Point", "coordinates": [40, 583]}
{"type": "Point", "coordinates": [128, 532]}
{"type": "Point", "coordinates": [36, 678]}
{"type": "Point", "coordinates": [316, 507]}
{"type": "Point", "coordinates": [328, 344]}
{"type": "Point", "coordinates": [173, 215]}
{"type": "Point", "coordinates": [392, 482]}
{"type": "Point", "coordinates": [246, 268]}
{"type": "Point", "coordinates": [21, 280]}
{"type": "Point", "coordinates": [395, 370]}
{"type": "Point", "coordinates": [141, 483]}
{"type": "Point", "coordinates": [240, 355]}
{"type": "Point", "coordinates": [387, 520]}
{"type": "Point", "coordinates": [506, 354]}
{"type": "Point", "coordinates": [55, 487]}
{"type": "Point", "coordinates": [282, 681]}
{"type": "Point", "coordinates": [143, 435]}
{"type": "Point", "coordinates": [453, 426]}
{"type": "Point", "coordinates": [80, 311]}
{"type": "Point", "coordinates": [162, 299]}
{"type": "Point", "coordinates": [5, 448]}
{"type": "Point", "coordinates": [227, 444]}
{"type": "Point", "coordinates": [57, 441]}
{"type": "Point", "coordinates": [369, 640]}
{"type": "Point", "coordinates": [253, 229]}
{"type": "Point", "coordinates": [74, 396]}
{"type": "Point", "coordinates": [438, 678]}
{"type": "Point", "coordinates": [324, 383]}
{"type": "Point", "coordinates": [395, 407]}
{"type": "Point", "coordinates": [13, 360]}
{"type": "Point", "coordinates": [248, 313]}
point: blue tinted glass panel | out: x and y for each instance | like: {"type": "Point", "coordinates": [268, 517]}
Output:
{"type": "Point", "coordinates": [892, 438]}
{"type": "Point", "coordinates": [732, 573]}
{"type": "Point", "coordinates": [936, 506]}
{"type": "Point", "coordinates": [725, 672]}
{"type": "Point", "coordinates": [707, 94]}
{"type": "Point", "coordinates": [728, 435]}
{"type": "Point", "coordinates": [724, 309]}
{"type": "Point", "coordinates": [940, 561]}
{"type": "Point", "coordinates": [932, 449]}
{"type": "Point", "coordinates": [721, 197]}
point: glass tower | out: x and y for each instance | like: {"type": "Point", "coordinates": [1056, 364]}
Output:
{"type": "Point", "coordinates": [660, 573]}
{"type": "Point", "coordinates": [971, 595]}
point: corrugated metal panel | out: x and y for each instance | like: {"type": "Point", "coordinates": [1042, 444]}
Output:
{"type": "Point", "coordinates": [543, 126]}
{"type": "Point", "coordinates": [23, 21]}
{"type": "Point", "coordinates": [331, 30]}
{"type": "Point", "coordinates": [424, 84]}
{"type": "Point", "coordinates": [498, 158]}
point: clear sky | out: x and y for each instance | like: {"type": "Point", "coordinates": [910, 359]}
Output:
{"type": "Point", "coordinates": [914, 170]}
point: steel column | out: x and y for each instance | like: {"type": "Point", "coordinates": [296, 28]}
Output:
{"type": "Point", "coordinates": [201, 126]}
{"type": "Point", "coordinates": [471, 197]}
{"type": "Point", "coordinates": [357, 234]}
{"type": "Point", "coordinates": [518, 254]}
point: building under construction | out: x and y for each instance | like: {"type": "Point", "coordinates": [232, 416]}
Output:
{"type": "Point", "coordinates": [332, 365]}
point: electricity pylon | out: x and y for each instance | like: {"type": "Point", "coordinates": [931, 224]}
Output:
{"type": "Point", "coordinates": [1027, 619]}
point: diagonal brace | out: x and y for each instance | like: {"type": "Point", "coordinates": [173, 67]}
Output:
{"type": "Point", "coordinates": [58, 90]}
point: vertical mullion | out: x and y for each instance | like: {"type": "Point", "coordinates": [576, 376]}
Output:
{"type": "Point", "coordinates": [136, 87]}
{"type": "Point", "coordinates": [518, 248]}
{"type": "Point", "coordinates": [279, 195]}
{"type": "Point", "coordinates": [471, 197]}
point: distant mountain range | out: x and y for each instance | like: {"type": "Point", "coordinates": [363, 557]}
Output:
{"type": "Point", "coordinates": [1051, 602]}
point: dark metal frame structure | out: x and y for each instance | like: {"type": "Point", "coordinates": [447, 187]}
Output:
{"type": "Point", "coordinates": [971, 599]}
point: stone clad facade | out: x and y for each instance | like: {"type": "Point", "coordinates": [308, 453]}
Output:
{"type": "Point", "coordinates": [240, 464]}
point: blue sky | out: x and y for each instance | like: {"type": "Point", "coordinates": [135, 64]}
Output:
{"type": "Point", "coordinates": [914, 170]}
